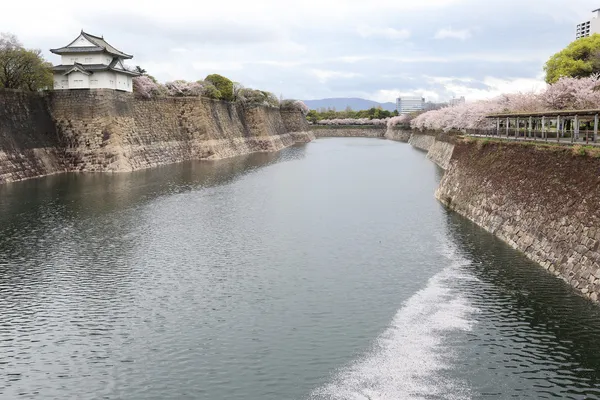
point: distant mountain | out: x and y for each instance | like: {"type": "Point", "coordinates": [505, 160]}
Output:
{"type": "Point", "coordinates": [341, 103]}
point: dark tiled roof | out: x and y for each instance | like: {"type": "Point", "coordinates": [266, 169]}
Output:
{"type": "Point", "coordinates": [87, 67]}
{"type": "Point", "coordinates": [91, 68]}
{"type": "Point", "coordinates": [88, 49]}
{"type": "Point", "coordinates": [100, 46]}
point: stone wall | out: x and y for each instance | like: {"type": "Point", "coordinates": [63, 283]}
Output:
{"type": "Point", "coordinates": [439, 149]}
{"type": "Point", "coordinates": [350, 131]}
{"type": "Point", "coordinates": [440, 152]}
{"type": "Point", "coordinates": [398, 135]}
{"type": "Point", "coordinates": [294, 121]}
{"type": "Point", "coordinates": [541, 201]}
{"type": "Point", "coordinates": [29, 145]}
{"type": "Point", "coordinates": [110, 131]}
{"type": "Point", "coordinates": [421, 141]}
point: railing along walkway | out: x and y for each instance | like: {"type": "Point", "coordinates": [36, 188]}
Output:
{"type": "Point", "coordinates": [583, 138]}
{"type": "Point", "coordinates": [567, 127]}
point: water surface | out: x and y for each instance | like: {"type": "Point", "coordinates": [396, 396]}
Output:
{"type": "Point", "coordinates": [326, 271]}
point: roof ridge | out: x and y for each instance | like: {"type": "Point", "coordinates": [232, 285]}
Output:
{"type": "Point", "coordinates": [89, 34]}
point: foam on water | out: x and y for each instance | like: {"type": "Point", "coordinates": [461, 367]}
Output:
{"type": "Point", "coordinates": [408, 360]}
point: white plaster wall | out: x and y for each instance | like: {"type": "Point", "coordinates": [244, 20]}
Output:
{"type": "Point", "coordinates": [106, 80]}
{"type": "Point", "coordinates": [122, 82]}
{"type": "Point", "coordinates": [77, 80]}
{"type": "Point", "coordinates": [61, 81]}
{"type": "Point", "coordinates": [86, 58]}
{"type": "Point", "coordinates": [81, 41]}
{"type": "Point", "coordinates": [97, 80]}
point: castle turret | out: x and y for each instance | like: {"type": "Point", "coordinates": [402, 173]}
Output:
{"type": "Point", "coordinates": [89, 62]}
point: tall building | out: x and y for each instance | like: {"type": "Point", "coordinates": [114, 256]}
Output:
{"type": "Point", "coordinates": [429, 106]}
{"type": "Point", "coordinates": [590, 27]}
{"type": "Point", "coordinates": [456, 101]}
{"type": "Point", "coordinates": [89, 62]}
{"type": "Point", "coordinates": [407, 105]}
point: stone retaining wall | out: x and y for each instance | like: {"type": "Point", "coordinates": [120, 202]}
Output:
{"type": "Point", "coordinates": [110, 131]}
{"type": "Point", "coordinates": [543, 202]}
{"type": "Point", "coordinates": [29, 144]}
{"type": "Point", "coordinates": [398, 135]}
{"type": "Point", "coordinates": [441, 153]}
{"type": "Point", "coordinates": [421, 141]}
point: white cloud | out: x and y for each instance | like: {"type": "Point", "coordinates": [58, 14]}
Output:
{"type": "Point", "coordinates": [449, 33]}
{"type": "Point", "coordinates": [214, 67]}
{"type": "Point", "coordinates": [489, 87]}
{"type": "Point", "coordinates": [287, 47]}
{"type": "Point", "coordinates": [381, 32]}
{"type": "Point", "coordinates": [325, 75]}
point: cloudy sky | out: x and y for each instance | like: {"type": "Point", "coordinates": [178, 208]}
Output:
{"type": "Point", "coordinates": [322, 48]}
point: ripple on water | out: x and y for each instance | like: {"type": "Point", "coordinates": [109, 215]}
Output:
{"type": "Point", "coordinates": [277, 278]}
{"type": "Point", "coordinates": [411, 358]}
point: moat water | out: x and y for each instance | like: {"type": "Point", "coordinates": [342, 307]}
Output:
{"type": "Point", "coordinates": [326, 271]}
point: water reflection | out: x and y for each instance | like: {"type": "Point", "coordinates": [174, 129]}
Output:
{"type": "Point", "coordinates": [534, 337]}
{"type": "Point", "coordinates": [75, 252]}
{"type": "Point", "coordinates": [232, 280]}
{"type": "Point", "coordinates": [89, 193]}
{"type": "Point", "coordinates": [69, 202]}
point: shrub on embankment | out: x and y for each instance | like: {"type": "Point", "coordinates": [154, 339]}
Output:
{"type": "Point", "coordinates": [214, 87]}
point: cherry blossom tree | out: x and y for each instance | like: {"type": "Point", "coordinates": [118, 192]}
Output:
{"type": "Point", "coordinates": [295, 105]}
{"type": "Point", "coordinates": [354, 121]}
{"type": "Point", "coordinates": [146, 88]}
{"type": "Point", "coordinates": [566, 93]}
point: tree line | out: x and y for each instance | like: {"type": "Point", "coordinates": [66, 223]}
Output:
{"type": "Point", "coordinates": [330, 113]}
{"type": "Point", "coordinates": [579, 59]}
{"type": "Point", "coordinates": [22, 68]}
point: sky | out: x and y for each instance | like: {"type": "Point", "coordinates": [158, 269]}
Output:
{"type": "Point", "coordinates": [315, 49]}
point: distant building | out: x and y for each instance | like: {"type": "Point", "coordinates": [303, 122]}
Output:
{"type": "Point", "coordinates": [407, 105]}
{"type": "Point", "coordinates": [429, 106]}
{"type": "Point", "coordinates": [590, 27]}
{"type": "Point", "coordinates": [456, 101]}
{"type": "Point", "coordinates": [89, 62]}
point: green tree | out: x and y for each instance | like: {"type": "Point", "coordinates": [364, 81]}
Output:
{"type": "Point", "coordinates": [579, 59]}
{"type": "Point", "coordinates": [21, 68]}
{"type": "Point", "coordinates": [313, 116]}
{"type": "Point", "coordinates": [223, 85]}
{"type": "Point", "coordinates": [210, 90]}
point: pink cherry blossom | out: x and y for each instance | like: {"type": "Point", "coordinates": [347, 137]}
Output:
{"type": "Point", "coordinates": [144, 87]}
{"type": "Point", "coordinates": [353, 121]}
{"type": "Point", "coordinates": [567, 93]}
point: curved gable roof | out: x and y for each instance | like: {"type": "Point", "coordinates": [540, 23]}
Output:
{"type": "Point", "coordinates": [98, 44]}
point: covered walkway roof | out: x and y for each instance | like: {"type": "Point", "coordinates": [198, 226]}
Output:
{"type": "Point", "coordinates": [561, 113]}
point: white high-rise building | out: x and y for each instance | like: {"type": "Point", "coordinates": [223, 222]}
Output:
{"type": "Point", "coordinates": [456, 101]}
{"type": "Point", "coordinates": [407, 105]}
{"type": "Point", "coordinates": [590, 27]}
